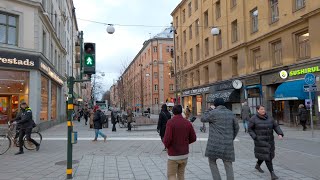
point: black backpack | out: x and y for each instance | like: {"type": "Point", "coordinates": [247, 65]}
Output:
{"type": "Point", "coordinates": [103, 118]}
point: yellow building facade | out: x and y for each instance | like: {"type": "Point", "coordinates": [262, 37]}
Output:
{"type": "Point", "coordinates": [257, 40]}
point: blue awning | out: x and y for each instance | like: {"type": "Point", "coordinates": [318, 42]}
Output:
{"type": "Point", "coordinates": [291, 90]}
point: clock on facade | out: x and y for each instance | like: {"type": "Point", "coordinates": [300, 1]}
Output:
{"type": "Point", "coordinates": [237, 84]}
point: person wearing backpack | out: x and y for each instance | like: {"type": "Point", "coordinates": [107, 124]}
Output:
{"type": "Point", "coordinates": [164, 116]}
{"type": "Point", "coordinates": [97, 123]}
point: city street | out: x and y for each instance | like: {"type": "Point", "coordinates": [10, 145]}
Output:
{"type": "Point", "coordinates": [138, 155]}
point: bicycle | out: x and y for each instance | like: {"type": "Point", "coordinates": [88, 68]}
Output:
{"type": "Point", "coordinates": [9, 138]}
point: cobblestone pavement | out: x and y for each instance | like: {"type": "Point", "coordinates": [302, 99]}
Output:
{"type": "Point", "coordinates": [141, 156]}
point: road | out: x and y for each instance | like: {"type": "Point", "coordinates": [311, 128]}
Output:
{"type": "Point", "coordinates": [139, 155]}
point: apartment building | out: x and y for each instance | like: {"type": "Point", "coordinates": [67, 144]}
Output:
{"type": "Point", "coordinates": [257, 40]}
{"type": "Point", "coordinates": [147, 82]}
{"type": "Point", "coordinates": [36, 52]}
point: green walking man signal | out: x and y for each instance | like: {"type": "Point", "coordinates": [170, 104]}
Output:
{"type": "Point", "coordinates": [89, 58]}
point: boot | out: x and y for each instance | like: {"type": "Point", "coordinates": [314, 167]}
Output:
{"type": "Point", "coordinates": [273, 176]}
{"type": "Point", "coordinates": [259, 168]}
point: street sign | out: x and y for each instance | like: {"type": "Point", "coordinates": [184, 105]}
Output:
{"type": "Point", "coordinates": [310, 79]}
{"type": "Point", "coordinates": [309, 88]}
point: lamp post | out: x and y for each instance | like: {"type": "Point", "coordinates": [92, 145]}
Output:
{"type": "Point", "coordinates": [173, 54]}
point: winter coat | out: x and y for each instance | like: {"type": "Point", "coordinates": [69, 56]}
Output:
{"type": "Point", "coordinates": [188, 112]}
{"type": "Point", "coordinates": [179, 134]}
{"type": "Point", "coordinates": [245, 113]}
{"type": "Point", "coordinates": [164, 116]}
{"type": "Point", "coordinates": [303, 114]}
{"type": "Point", "coordinates": [261, 130]}
{"type": "Point", "coordinates": [113, 117]}
{"type": "Point", "coordinates": [91, 116]}
{"type": "Point", "coordinates": [97, 119]}
{"type": "Point", "coordinates": [26, 121]}
{"type": "Point", "coordinates": [130, 116]}
{"type": "Point", "coordinates": [223, 129]}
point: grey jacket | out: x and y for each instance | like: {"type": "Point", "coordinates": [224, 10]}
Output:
{"type": "Point", "coordinates": [223, 129]}
{"type": "Point", "coordinates": [245, 112]}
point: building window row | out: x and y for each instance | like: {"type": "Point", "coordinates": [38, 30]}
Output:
{"type": "Point", "coordinates": [8, 29]}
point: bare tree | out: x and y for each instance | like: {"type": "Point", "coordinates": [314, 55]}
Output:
{"type": "Point", "coordinates": [106, 96]}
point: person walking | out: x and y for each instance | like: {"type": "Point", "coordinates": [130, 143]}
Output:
{"type": "Point", "coordinates": [91, 114]}
{"type": "Point", "coordinates": [86, 115]}
{"type": "Point", "coordinates": [178, 135]}
{"type": "Point", "coordinates": [245, 116]}
{"type": "Point", "coordinates": [303, 116]}
{"type": "Point", "coordinates": [98, 124]}
{"type": "Point", "coordinates": [223, 129]}
{"type": "Point", "coordinates": [188, 112]}
{"type": "Point", "coordinates": [130, 118]}
{"type": "Point", "coordinates": [114, 120]}
{"type": "Point", "coordinates": [261, 128]}
{"type": "Point", "coordinates": [26, 123]}
{"type": "Point", "coordinates": [164, 116]}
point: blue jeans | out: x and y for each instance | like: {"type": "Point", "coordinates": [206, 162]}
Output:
{"type": "Point", "coordinates": [245, 124]}
{"type": "Point", "coordinates": [97, 132]}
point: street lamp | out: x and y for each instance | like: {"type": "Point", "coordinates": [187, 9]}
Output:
{"type": "Point", "coordinates": [215, 31]}
{"type": "Point", "coordinates": [110, 29]}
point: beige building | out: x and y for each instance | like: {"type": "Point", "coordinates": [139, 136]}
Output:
{"type": "Point", "coordinates": [257, 40]}
{"type": "Point", "coordinates": [36, 55]}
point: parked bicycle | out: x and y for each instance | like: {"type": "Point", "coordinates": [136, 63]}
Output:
{"type": "Point", "coordinates": [9, 138]}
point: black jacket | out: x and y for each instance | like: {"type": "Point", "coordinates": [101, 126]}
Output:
{"type": "Point", "coordinates": [261, 130]}
{"type": "Point", "coordinates": [25, 120]}
{"type": "Point", "coordinates": [113, 117]}
{"type": "Point", "coordinates": [97, 120]}
{"type": "Point", "coordinates": [164, 116]}
{"type": "Point", "coordinates": [303, 114]}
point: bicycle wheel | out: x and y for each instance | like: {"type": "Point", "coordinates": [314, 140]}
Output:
{"type": "Point", "coordinates": [29, 145]}
{"type": "Point", "coordinates": [5, 144]}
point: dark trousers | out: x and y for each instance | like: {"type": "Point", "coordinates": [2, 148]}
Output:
{"type": "Point", "coordinates": [303, 123]}
{"type": "Point", "coordinates": [268, 163]}
{"type": "Point", "coordinates": [114, 127]}
{"type": "Point", "coordinates": [129, 126]}
{"type": "Point", "coordinates": [86, 119]}
{"type": "Point", "coordinates": [26, 132]}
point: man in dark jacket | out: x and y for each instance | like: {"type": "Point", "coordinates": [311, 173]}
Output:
{"type": "Point", "coordinates": [114, 120]}
{"type": "Point", "coordinates": [303, 116]}
{"type": "Point", "coordinates": [223, 129]}
{"type": "Point", "coordinates": [26, 124]}
{"type": "Point", "coordinates": [179, 134]}
{"type": "Point", "coordinates": [245, 116]}
{"type": "Point", "coordinates": [164, 116]}
{"type": "Point", "coordinates": [97, 124]}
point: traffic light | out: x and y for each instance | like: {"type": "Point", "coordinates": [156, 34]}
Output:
{"type": "Point", "coordinates": [89, 66]}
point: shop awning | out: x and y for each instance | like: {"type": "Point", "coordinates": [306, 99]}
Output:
{"type": "Point", "coordinates": [230, 95]}
{"type": "Point", "coordinates": [291, 90]}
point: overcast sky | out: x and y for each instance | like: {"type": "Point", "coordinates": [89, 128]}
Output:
{"type": "Point", "coordinates": [125, 43]}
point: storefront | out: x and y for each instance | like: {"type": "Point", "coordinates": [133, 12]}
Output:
{"type": "Point", "coordinates": [285, 91]}
{"type": "Point", "coordinates": [253, 92]}
{"type": "Point", "coordinates": [194, 99]}
{"type": "Point", "coordinates": [26, 77]}
{"type": "Point", "coordinates": [230, 92]}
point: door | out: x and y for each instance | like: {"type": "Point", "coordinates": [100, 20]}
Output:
{"type": "Point", "coordinates": [5, 112]}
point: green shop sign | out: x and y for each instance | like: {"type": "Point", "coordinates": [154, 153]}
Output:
{"type": "Point", "coordinates": [304, 71]}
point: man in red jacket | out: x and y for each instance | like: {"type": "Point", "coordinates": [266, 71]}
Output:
{"type": "Point", "coordinates": [179, 134]}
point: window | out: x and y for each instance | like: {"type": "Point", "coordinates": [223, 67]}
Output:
{"type": "Point", "coordinates": [206, 19]}
{"type": "Point", "coordinates": [155, 49]}
{"type": "Point", "coordinates": [234, 60]}
{"type": "Point", "coordinates": [274, 10]}
{"type": "Point", "coordinates": [219, 70]}
{"type": "Point", "coordinates": [197, 24]}
{"type": "Point", "coordinates": [219, 41]}
{"type": "Point", "coordinates": [185, 59]}
{"type": "Point", "coordinates": [51, 53]}
{"type": "Point", "coordinates": [233, 3]}
{"type": "Point", "coordinates": [206, 74]}
{"type": "Point", "coordinates": [184, 16]}
{"type": "Point", "coordinates": [218, 9]}
{"type": "Point", "coordinates": [53, 101]}
{"type": "Point", "coordinates": [190, 32]}
{"type": "Point", "coordinates": [192, 79]}
{"type": "Point", "coordinates": [277, 53]}
{"type": "Point", "coordinates": [191, 56]}
{"type": "Point", "coordinates": [206, 45]}
{"type": "Point", "coordinates": [197, 52]}
{"type": "Point", "coordinates": [186, 81]}
{"type": "Point", "coordinates": [171, 87]}
{"type": "Point", "coordinates": [303, 45]}
{"type": "Point", "coordinates": [8, 29]}
{"type": "Point", "coordinates": [156, 87]}
{"type": "Point", "coordinates": [184, 37]}
{"type": "Point", "coordinates": [256, 58]}
{"type": "Point", "coordinates": [196, 5]}
{"type": "Point", "coordinates": [155, 75]}
{"type": "Point", "coordinates": [178, 63]}
{"type": "Point", "coordinates": [177, 43]}
{"type": "Point", "coordinates": [44, 4]}
{"type": "Point", "coordinates": [189, 9]}
{"type": "Point", "coordinates": [168, 48]}
{"type": "Point", "coordinates": [234, 27]}
{"type": "Point", "coordinates": [198, 77]}
{"type": "Point", "coordinates": [156, 101]}
{"type": "Point", "coordinates": [299, 4]}
{"type": "Point", "coordinates": [44, 43]}
{"type": "Point", "coordinates": [44, 98]}
{"type": "Point", "coordinates": [254, 20]}
{"type": "Point", "coordinates": [177, 22]}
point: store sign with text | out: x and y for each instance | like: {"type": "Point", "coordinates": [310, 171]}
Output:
{"type": "Point", "coordinates": [196, 91]}
{"type": "Point", "coordinates": [307, 70]}
{"type": "Point", "coordinates": [51, 73]}
{"type": "Point", "coordinates": [18, 60]}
